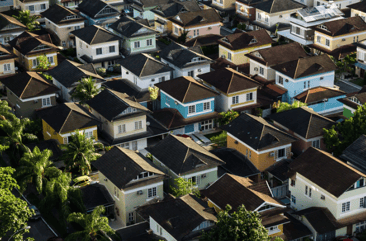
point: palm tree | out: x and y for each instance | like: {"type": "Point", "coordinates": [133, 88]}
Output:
{"type": "Point", "coordinates": [33, 166]}
{"type": "Point", "coordinates": [86, 89]}
{"type": "Point", "coordinates": [29, 21]}
{"type": "Point", "coordinates": [283, 106]}
{"type": "Point", "coordinates": [5, 111]}
{"type": "Point", "coordinates": [93, 226]}
{"type": "Point", "coordinates": [79, 152]}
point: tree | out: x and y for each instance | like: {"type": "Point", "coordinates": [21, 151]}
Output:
{"type": "Point", "coordinates": [33, 166]}
{"type": "Point", "coordinates": [240, 225]}
{"type": "Point", "coordinates": [345, 64]}
{"type": "Point", "coordinates": [79, 152]}
{"type": "Point", "coordinates": [220, 139]}
{"type": "Point", "coordinates": [283, 106]}
{"type": "Point", "coordinates": [339, 137]}
{"type": "Point", "coordinates": [5, 111]}
{"type": "Point", "coordinates": [29, 21]}
{"type": "Point", "coordinates": [86, 90]}
{"type": "Point", "coordinates": [93, 226]}
{"type": "Point", "coordinates": [154, 92]}
{"type": "Point", "coordinates": [227, 117]}
{"type": "Point", "coordinates": [43, 63]}
{"type": "Point", "coordinates": [183, 187]}
{"type": "Point", "coordinates": [183, 36]}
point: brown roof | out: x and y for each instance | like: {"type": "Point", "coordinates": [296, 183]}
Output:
{"type": "Point", "coordinates": [242, 40]}
{"type": "Point", "coordinates": [338, 53]}
{"type": "Point", "coordinates": [303, 67]}
{"type": "Point", "coordinates": [8, 53]}
{"type": "Point", "coordinates": [343, 26]}
{"type": "Point", "coordinates": [318, 94]}
{"type": "Point", "coordinates": [27, 42]}
{"type": "Point", "coordinates": [203, 40]}
{"type": "Point", "coordinates": [203, 17]}
{"type": "Point", "coordinates": [229, 81]}
{"type": "Point", "coordinates": [224, 63]}
{"type": "Point", "coordinates": [11, 20]}
{"type": "Point", "coordinates": [319, 167]}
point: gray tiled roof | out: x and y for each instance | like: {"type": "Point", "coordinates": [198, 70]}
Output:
{"type": "Point", "coordinates": [92, 7]}
{"type": "Point", "coordinates": [356, 153]}
{"type": "Point", "coordinates": [130, 27]}
{"type": "Point", "coordinates": [95, 34]}
{"type": "Point", "coordinates": [275, 6]}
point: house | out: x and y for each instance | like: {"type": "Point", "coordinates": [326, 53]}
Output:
{"type": "Point", "coordinates": [263, 143]}
{"type": "Point", "coordinates": [196, 23]}
{"type": "Point", "coordinates": [9, 28]}
{"type": "Point", "coordinates": [358, 9]}
{"type": "Point", "coordinates": [136, 35]}
{"type": "Point", "coordinates": [144, 71]}
{"type": "Point", "coordinates": [304, 20]}
{"type": "Point", "coordinates": [278, 179]}
{"type": "Point", "coordinates": [67, 75]}
{"type": "Point", "coordinates": [96, 45]}
{"type": "Point", "coordinates": [95, 195]}
{"type": "Point", "coordinates": [137, 232]}
{"type": "Point", "coordinates": [7, 61]}
{"type": "Point", "coordinates": [341, 4]}
{"type": "Point", "coordinates": [35, 7]}
{"type": "Point", "coordinates": [185, 61]}
{"type": "Point", "coordinates": [29, 46]}
{"type": "Point", "coordinates": [71, 4]}
{"type": "Point", "coordinates": [61, 21]}
{"type": "Point", "coordinates": [352, 101]}
{"type": "Point", "coordinates": [237, 91]}
{"type": "Point", "coordinates": [178, 219]}
{"type": "Point", "coordinates": [246, 11]}
{"type": "Point", "coordinates": [131, 179]}
{"type": "Point", "coordinates": [306, 125]}
{"type": "Point", "coordinates": [143, 8]}
{"type": "Point", "coordinates": [29, 91]}
{"type": "Point", "coordinates": [97, 12]}
{"type": "Point", "coordinates": [233, 47]}
{"type": "Point", "coordinates": [300, 75]}
{"type": "Point", "coordinates": [223, 5]}
{"type": "Point", "coordinates": [125, 122]}
{"type": "Point", "coordinates": [328, 209]}
{"type": "Point", "coordinates": [187, 106]}
{"type": "Point", "coordinates": [354, 155]}
{"type": "Point", "coordinates": [262, 60]}
{"type": "Point", "coordinates": [360, 65]}
{"type": "Point", "coordinates": [61, 121]}
{"type": "Point", "coordinates": [6, 5]}
{"type": "Point", "coordinates": [181, 157]}
{"type": "Point", "coordinates": [336, 37]}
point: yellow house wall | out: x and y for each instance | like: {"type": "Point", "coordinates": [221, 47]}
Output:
{"type": "Point", "coordinates": [226, 4]}
{"type": "Point", "coordinates": [28, 63]}
{"type": "Point", "coordinates": [12, 67]}
{"type": "Point", "coordinates": [336, 42]}
{"type": "Point", "coordinates": [280, 227]}
{"type": "Point", "coordinates": [355, 13]}
{"type": "Point", "coordinates": [238, 56]}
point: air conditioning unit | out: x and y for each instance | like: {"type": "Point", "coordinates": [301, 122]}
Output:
{"type": "Point", "coordinates": [139, 192]}
{"type": "Point", "coordinates": [256, 69]}
{"type": "Point", "coordinates": [272, 153]}
{"type": "Point", "coordinates": [35, 101]}
{"type": "Point", "coordinates": [223, 56]}
{"type": "Point", "coordinates": [199, 70]}
{"type": "Point", "coordinates": [322, 197]}
{"type": "Point", "coordinates": [286, 80]}
{"type": "Point", "coordinates": [203, 176]}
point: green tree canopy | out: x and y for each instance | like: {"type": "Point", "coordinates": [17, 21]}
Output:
{"type": "Point", "coordinates": [227, 117]}
{"type": "Point", "coordinates": [154, 92]}
{"type": "Point", "coordinates": [29, 21]}
{"type": "Point", "coordinates": [43, 63]}
{"type": "Point", "coordinates": [5, 111]}
{"type": "Point", "coordinates": [182, 187]}
{"type": "Point", "coordinates": [283, 106]}
{"type": "Point", "coordinates": [86, 90]}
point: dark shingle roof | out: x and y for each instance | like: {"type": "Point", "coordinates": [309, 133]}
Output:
{"type": "Point", "coordinates": [94, 34]}
{"type": "Point", "coordinates": [295, 229]}
{"type": "Point", "coordinates": [360, 6]}
{"type": "Point", "coordinates": [242, 40]}
{"type": "Point", "coordinates": [356, 153]}
{"type": "Point", "coordinates": [144, 65]}
{"type": "Point", "coordinates": [183, 155]}
{"type": "Point", "coordinates": [280, 169]}
{"type": "Point", "coordinates": [257, 133]}
{"type": "Point", "coordinates": [130, 27]}
{"type": "Point", "coordinates": [56, 13]}
{"type": "Point", "coordinates": [68, 72]}
{"type": "Point", "coordinates": [171, 9]}
{"type": "Point", "coordinates": [321, 219]}
{"type": "Point", "coordinates": [28, 85]}
{"type": "Point", "coordinates": [275, 6]}
{"type": "Point", "coordinates": [125, 86]}
{"type": "Point", "coordinates": [343, 26]}
{"type": "Point", "coordinates": [311, 163]}
{"type": "Point", "coordinates": [92, 7]}
{"type": "Point", "coordinates": [303, 121]}
{"type": "Point", "coordinates": [317, 94]}
{"type": "Point", "coordinates": [51, 144]}
{"type": "Point", "coordinates": [186, 89]}
{"type": "Point", "coordinates": [95, 195]}
{"type": "Point", "coordinates": [121, 166]}
{"type": "Point", "coordinates": [229, 81]}
{"type": "Point", "coordinates": [138, 232]}
{"type": "Point", "coordinates": [27, 42]}
{"type": "Point", "coordinates": [6, 20]}
{"type": "Point", "coordinates": [203, 17]}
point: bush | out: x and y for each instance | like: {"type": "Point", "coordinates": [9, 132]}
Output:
{"type": "Point", "coordinates": [102, 71]}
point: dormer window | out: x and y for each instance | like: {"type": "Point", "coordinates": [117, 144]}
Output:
{"type": "Point", "coordinates": [129, 110]}
{"type": "Point", "coordinates": [143, 175]}
{"type": "Point", "coordinates": [70, 17]}
{"type": "Point", "coordinates": [41, 47]}
{"type": "Point", "coordinates": [322, 26]}
{"type": "Point", "coordinates": [265, 207]}
{"type": "Point", "coordinates": [178, 18]}
{"type": "Point", "coordinates": [355, 100]}
{"type": "Point", "coordinates": [253, 41]}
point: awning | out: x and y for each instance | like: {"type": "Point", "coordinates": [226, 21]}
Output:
{"type": "Point", "coordinates": [360, 65]}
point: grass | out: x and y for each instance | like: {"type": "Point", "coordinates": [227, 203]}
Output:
{"type": "Point", "coordinates": [358, 81]}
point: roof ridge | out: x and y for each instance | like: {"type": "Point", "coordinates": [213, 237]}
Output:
{"type": "Point", "coordinates": [67, 117]}
{"type": "Point", "coordinates": [20, 96]}
{"type": "Point", "coordinates": [297, 66]}
{"type": "Point", "coordinates": [91, 42]}
{"type": "Point", "coordinates": [308, 128]}
{"type": "Point", "coordinates": [185, 158]}
{"type": "Point", "coordinates": [143, 67]}
{"type": "Point", "coordinates": [231, 79]}
{"type": "Point", "coordinates": [307, 96]}
{"type": "Point", "coordinates": [270, 10]}
{"type": "Point", "coordinates": [189, 86]}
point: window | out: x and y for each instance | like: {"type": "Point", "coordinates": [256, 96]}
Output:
{"type": "Point", "coordinates": [88, 134]}
{"type": "Point", "coordinates": [131, 217]}
{"type": "Point", "coordinates": [266, 19]}
{"type": "Point", "coordinates": [249, 96]}
{"type": "Point", "coordinates": [31, 8]}
{"type": "Point", "coordinates": [137, 44]}
{"type": "Point", "coordinates": [318, 39]}
{"type": "Point", "coordinates": [112, 49]}
{"type": "Point", "coordinates": [134, 145]}
{"type": "Point", "coordinates": [50, 59]}
{"type": "Point", "coordinates": [309, 84]}
{"type": "Point", "coordinates": [43, 6]}
{"type": "Point", "coordinates": [310, 192]}
{"type": "Point", "coordinates": [363, 202]}
{"type": "Point", "coordinates": [280, 80]}
{"type": "Point", "coordinates": [316, 144]}
{"type": "Point", "coordinates": [125, 145]}
{"type": "Point", "coordinates": [206, 125]}
{"type": "Point", "coordinates": [138, 125]}
{"type": "Point", "coordinates": [99, 51]}
{"type": "Point", "coordinates": [151, 192]}
{"type": "Point", "coordinates": [149, 42]}
{"type": "Point", "coordinates": [293, 199]}
{"type": "Point", "coordinates": [81, 44]}
{"type": "Point", "coordinates": [46, 102]}
{"type": "Point", "coordinates": [293, 183]}
{"type": "Point", "coordinates": [161, 79]}
{"type": "Point", "coordinates": [235, 99]}
{"type": "Point", "coordinates": [250, 154]}
{"type": "Point", "coordinates": [346, 207]}
{"type": "Point", "coordinates": [259, 16]}
{"type": "Point", "coordinates": [261, 71]}
{"type": "Point", "coordinates": [206, 106]}
{"type": "Point", "coordinates": [6, 67]}
{"type": "Point", "coordinates": [176, 30]}
{"type": "Point", "coordinates": [167, 100]}
{"type": "Point", "coordinates": [229, 56]}
{"type": "Point", "coordinates": [297, 30]}
{"type": "Point", "coordinates": [63, 43]}
{"type": "Point", "coordinates": [191, 109]}
{"type": "Point", "coordinates": [66, 140]}
{"type": "Point", "coordinates": [191, 73]}
{"type": "Point", "coordinates": [116, 192]}
{"type": "Point", "coordinates": [305, 85]}
{"type": "Point", "coordinates": [327, 42]}
{"type": "Point", "coordinates": [35, 63]}
{"type": "Point", "coordinates": [281, 153]}
{"type": "Point", "coordinates": [306, 190]}
{"type": "Point", "coordinates": [122, 128]}
{"type": "Point", "coordinates": [76, 27]}
{"type": "Point", "coordinates": [196, 32]}
{"type": "Point", "coordinates": [360, 226]}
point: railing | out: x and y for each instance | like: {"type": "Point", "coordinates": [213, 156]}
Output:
{"type": "Point", "coordinates": [280, 191]}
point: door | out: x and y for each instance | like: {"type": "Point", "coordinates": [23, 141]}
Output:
{"type": "Point", "coordinates": [349, 229]}
{"type": "Point", "coordinates": [362, 73]}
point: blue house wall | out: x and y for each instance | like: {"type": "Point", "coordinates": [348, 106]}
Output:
{"type": "Point", "coordinates": [332, 103]}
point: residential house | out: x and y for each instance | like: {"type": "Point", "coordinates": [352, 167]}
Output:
{"type": "Point", "coordinates": [143, 8]}
{"type": "Point", "coordinates": [136, 35]}
{"type": "Point", "coordinates": [237, 91]}
{"type": "Point", "coordinates": [196, 23]}
{"type": "Point", "coordinates": [233, 47]}
{"type": "Point", "coordinates": [29, 46]}
{"type": "Point", "coordinates": [98, 12]}
{"type": "Point", "coordinates": [7, 61]}
{"type": "Point", "coordinates": [61, 121]}
{"type": "Point", "coordinates": [121, 5]}
{"type": "Point", "coordinates": [131, 179]}
{"type": "Point", "coordinates": [95, 195]}
{"type": "Point", "coordinates": [35, 7]}
{"type": "Point", "coordinates": [358, 9]}
{"type": "Point", "coordinates": [304, 20]}
{"type": "Point", "coordinates": [262, 60]}
{"type": "Point", "coordinates": [185, 61]}
{"type": "Point", "coordinates": [136, 232]}
{"type": "Point", "coordinates": [299, 75]}
{"type": "Point", "coordinates": [341, 4]}
{"type": "Point", "coordinates": [144, 71]}
{"type": "Point", "coordinates": [9, 28]}
{"type": "Point", "coordinates": [6, 5]}
{"type": "Point", "coordinates": [263, 143]}
{"type": "Point", "coordinates": [328, 209]}
{"type": "Point", "coordinates": [306, 125]}
{"type": "Point", "coordinates": [29, 91]}
{"type": "Point", "coordinates": [61, 21]}
{"type": "Point", "coordinates": [360, 65]}
{"type": "Point", "coordinates": [178, 219]}
{"type": "Point", "coordinates": [355, 154]}
{"type": "Point", "coordinates": [125, 122]}
{"type": "Point", "coordinates": [277, 176]}
{"type": "Point", "coordinates": [187, 106]}
{"type": "Point", "coordinates": [245, 9]}
{"type": "Point", "coordinates": [336, 37]}
{"type": "Point", "coordinates": [352, 101]}
{"type": "Point", "coordinates": [96, 45]}
{"type": "Point", "coordinates": [71, 4]}
{"type": "Point", "coordinates": [181, 157]}
{"type": "Point", "coordinates": [223, 5]}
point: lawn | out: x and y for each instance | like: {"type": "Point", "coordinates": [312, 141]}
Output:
{"type": "Point", "coordinates": [358, 81]}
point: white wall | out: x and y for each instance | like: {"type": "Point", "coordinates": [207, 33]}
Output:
{"type": "Point", "coordinates": [83, 48]}
{"type": "Point", "coordinates": [144, 82]}
{"type": "Point", "coordinates": [198, 69]}
{"type": "Point", "coordinates": [154, 226]}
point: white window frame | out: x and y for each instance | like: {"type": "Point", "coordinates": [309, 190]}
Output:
{"type": "Point", "coordinates": [99, 49]}
{"type": "Point", "coordinates": [346, 207]}
{"type": "Point", "coordinates": [250, 96]}
{"type": "Point", "coordinates": [207, 106]}
{"type": "Point", "coordinates": [121, 128]}
{"type": "Point", "coordinates": [136, 44]}
{"type": "Point", "coordinates": [229, 57]}
{"type": "Point", "coordinates": [316, 144]}
{"type": "Point", "coordinates": [46, 102]}
{"type": "Point", "coordinates": [7, 67]}
{"type": "Point", "coordinates": [235, 99]}
{"type": "Point", "coordinates": [134, 145]}
{"type": "Point", "coordinates": [191, 109]}
{"type": "Point", "coordinates": [206, 125]}
{"type": "Point", "coordinates": [138, 125]}
{"type": "Point", "coordinates": [152, 192]}
{"type": "Point", "coordinates": [112, 47]}
{"type": "Point", "coordinates": [131, 217]}
{"type": "Point", "coordinates": [261, 71]}
{"type": "Point", "coordinates": [149, 42]}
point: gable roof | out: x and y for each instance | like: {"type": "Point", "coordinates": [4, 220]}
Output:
{"type": "Point", "coordinates": [186, 89]}
{"type": "Point", "coordinates": [243, 40]}
{"type": "Point", "coordinates": [355, 153]}
{"type": "Point", "coordinates": [276, 6]}
{"type": "Point", "coordinates": [304, 121]}
{"type": "Point", "coordinates": [56, 13]}
{"type": "Point", "coordinates": [257, 132]}
{"type": "Point", "coordinates": [317, 94]}
{"type": "Point", "coordinates": [229, 81]}
{"type": "Point", "coordinates": [93, 7]}
{"type": "Point", "coordinates": [173, 8]}
{"type": "Point", "coordinates": [343, 26]}
{"type": "Point", "coordinates": [143, 65]}
{"type": "Point", "coordinates": [152, 3]}
{"type": "Point", "coordinates": [183, 155]}
{"type": "Point", "coordinates": [178, 216]}
{"type": "Point", "coordinates": [94, 34]}
{"type": "Point", "coordinates": [130, 27]}
{"type": "Point", "coordinates": [125, 86]}
{"type": "Point", "coordinates": [27, 42]}
{"type": "Point", "coordinates": [110, 104]}
{"type": "Point", "coordinates": [27, 85]}
{"type": "Point", "coordinates": [202, 17]}
{"type": "Point", "coordinates": [6, 20]}
{"type": "Point", "coordinates": [321, 219]}
{"type": "Point", "coordinates": [360, 6]}
{"type": "Point", "coordinates": [311, 163]}
{"type": "Point", "coordinates": [121, 166]}
{"type": "Point", "coordinates": [68, 117]}
{"type": "Point", "coordinates": [6, 52]}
